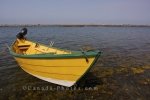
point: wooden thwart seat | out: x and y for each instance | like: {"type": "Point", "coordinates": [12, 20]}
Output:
{"type": "Point", "coordinates": [22, 46]}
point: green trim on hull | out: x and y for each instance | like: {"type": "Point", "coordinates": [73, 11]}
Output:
{"type": "Point", "coordinates": [57, 56]}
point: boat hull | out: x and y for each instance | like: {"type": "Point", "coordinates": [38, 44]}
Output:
{"type": "Point", "coordinates": [64, 72]}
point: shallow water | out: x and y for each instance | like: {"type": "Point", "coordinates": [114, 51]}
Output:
{"type": "Point", "coordinates": [122, 72]}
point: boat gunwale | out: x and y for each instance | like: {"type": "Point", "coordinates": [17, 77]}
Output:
{"type": "Point", "coordinates": [49, 55]}
{"type": "Point", "coordinates": [74, 54]}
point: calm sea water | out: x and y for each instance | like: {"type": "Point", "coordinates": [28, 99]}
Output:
{"type": "Point", "coordinates": [122, 47]}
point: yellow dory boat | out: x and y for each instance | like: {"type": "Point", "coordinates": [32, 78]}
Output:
{"type": "Point", "coordinates": [51, 64]}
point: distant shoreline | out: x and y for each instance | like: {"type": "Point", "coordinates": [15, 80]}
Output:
{"type": "Point", "coordinates": [29, 25]}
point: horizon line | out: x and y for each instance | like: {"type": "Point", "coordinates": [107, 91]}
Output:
{"type": "Point", "coordinates": [74, 25]}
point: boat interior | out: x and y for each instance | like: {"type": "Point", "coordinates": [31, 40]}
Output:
{"type": "Point", "coordinates": [27, 48]}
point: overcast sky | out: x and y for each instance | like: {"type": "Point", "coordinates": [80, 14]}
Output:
{"type": "Point", "coordinates": [75, 12]}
